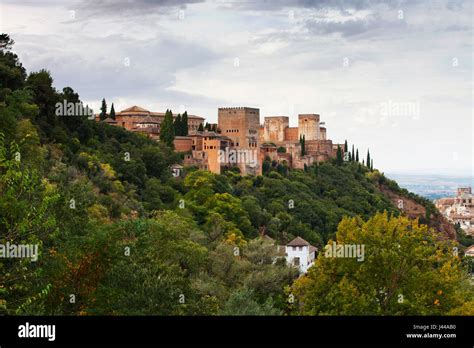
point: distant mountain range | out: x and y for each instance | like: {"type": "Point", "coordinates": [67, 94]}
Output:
{"type": "Point", "coordinates": [431, 186]}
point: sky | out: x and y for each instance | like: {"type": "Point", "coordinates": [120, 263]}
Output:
{"type": "Point", "coordinates": [395, 77]}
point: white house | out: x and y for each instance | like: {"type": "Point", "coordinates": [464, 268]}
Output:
{"type": "Point", "coordinates": [176, 170]}
{"type": "Point", "coordinates": [469, 251]}
{"type": "Point", "coordinates": [300, 254]}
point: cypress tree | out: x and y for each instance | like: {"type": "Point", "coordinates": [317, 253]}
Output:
{"type": "Point", "coordinates": [184, 124]}
{"type": "Point", "coordinates": [353, 154]}
{"type": "Point", "coordinates": [103, 110]}
{"type": "Point", "coordinates": [303, 146]}
{"type": "Point", "coordinates": [167, 129]}
{"type": "Point", "coordinates": [368, 158]}
{"type": "Point", "coordinates": [372, 164]}
{"type": "Point", "coordinates": [200, 128]}
{"type": "Point", "coordinates": [345, 146]}
{"type": "Point", "coordinates": [339, 159]}
{"type": "Point", "coordinates": [207, 126]}
{"type": "Point", "coordinates": [357, 155]}
{"type": "Point", "coordinates": [112, 112]}
{"type": "Point", "coordinates": [177, 125]}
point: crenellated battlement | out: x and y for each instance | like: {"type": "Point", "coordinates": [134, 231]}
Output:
{"type": "Point", "coordinates": [238, 108]}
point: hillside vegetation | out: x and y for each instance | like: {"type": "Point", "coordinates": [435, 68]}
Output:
{"type": "Point", "coordinates": [119, 235]}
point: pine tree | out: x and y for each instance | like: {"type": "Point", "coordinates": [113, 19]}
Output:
{"type": "Point", "coordinates": [339, 159]}
{"type": "Point", "coordinates": [112, 112]}
{"type": "Point", "coordinates": [200, 128]}
{"type": "Point", "coordinates": [167, 129]}
{"type": "Point", "coordinates": [368, 158]}
{"type": "Point", "coordinates": [177, 125]}
{"type": "Point", "coordinates": [103, 110]}
{"type": "Point", "coordinates": [184, 124]}
{"type": "Point", "coordinates": [357, 155]}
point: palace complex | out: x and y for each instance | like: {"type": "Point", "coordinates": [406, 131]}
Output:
{"type": "Point", "coordinates": [239, 138]}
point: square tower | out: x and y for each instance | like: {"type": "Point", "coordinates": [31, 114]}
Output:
{"type": "Point", "coordinates": [241, 125]}
{"type": "Point", "coordinates": [274, 128]}
{"type": "Point", "coordinates": [308, 125]}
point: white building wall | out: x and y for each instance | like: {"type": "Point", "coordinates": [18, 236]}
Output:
{"type": "Point", "coordinates": [303, 254]}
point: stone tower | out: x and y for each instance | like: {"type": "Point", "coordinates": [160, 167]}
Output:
{"type": "Point", "coordinates": [241, 125]}
{"type": "Point", "coordinates": [274, 128]}
{"type": "Point", "coordinates": [308, 125]}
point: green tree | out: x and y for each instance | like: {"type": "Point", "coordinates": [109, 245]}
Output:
{"type": "Point", "coordinates": [6, 42]}
{"type": "Point", "coordinates": [184, 122]}
{"type": "Point", "coordinates": [242, 302]}
{"type": "Point", "coordinates": [346, 148]}
{"type": "Point", "coordinates": [303, 145]}
{"type": "Point", "coordinates": [339, 159]}
{"type": "Point", "coordinates": [357, 155]}
{"type": "Point", "coordinates": [112, 112]}
{"type": "Point", "coordinates": [103, 110]}
{"type": "Point", "coordinates": [368, 159]}
{"type": "Point", "coordinates": [167, 129]}
{"type": "Point", "coordinates": [200, 128]}
{"type": "Point", "coordinates": [177, 125]}
{"type": "Point", "coordinates": [266, 165]}
{"type": "Point", "coordinates": [26, 218]}
{"type": "Point", "coordinates": [40, 85]}
{"type": "Point", "coordinates": [12, 73]}
{"type": "Point", "coordinates": [153, 279]}
{"type": "Point", "coordinates": [406, 269]}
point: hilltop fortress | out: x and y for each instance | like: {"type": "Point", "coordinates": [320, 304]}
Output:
{"type": "Point", "coordinates": [239, 139]}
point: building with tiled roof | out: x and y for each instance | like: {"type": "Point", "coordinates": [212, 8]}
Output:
{"type": "Point", "coordinates": [301, 254]}
{"type": "Point", "coordinates": [469, 251]}
{"type": "Point", "coordinates": [459, 209]}
{"type": "Point", "coordinates": [298, 241]}
{"type": "Point", "coordinates": [133, 116]}
{"type": "Point", "coordinates": [109, 120]}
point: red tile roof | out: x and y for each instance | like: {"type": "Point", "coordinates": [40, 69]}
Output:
{"type": "Point", "coordinates": [298, 241]}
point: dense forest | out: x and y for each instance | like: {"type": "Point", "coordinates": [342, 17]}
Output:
{"type": "Point", "coordinates": [119, 235]}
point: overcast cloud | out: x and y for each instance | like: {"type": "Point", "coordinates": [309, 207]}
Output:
{"type": "Point", "coordinates": [394, 76]}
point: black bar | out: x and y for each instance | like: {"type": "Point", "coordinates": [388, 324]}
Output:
{"type": "Point", "coordinates": [289, 331]}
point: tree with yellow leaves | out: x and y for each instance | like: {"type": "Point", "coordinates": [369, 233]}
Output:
{"type": "Point", "coordinates": [406, 269]}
